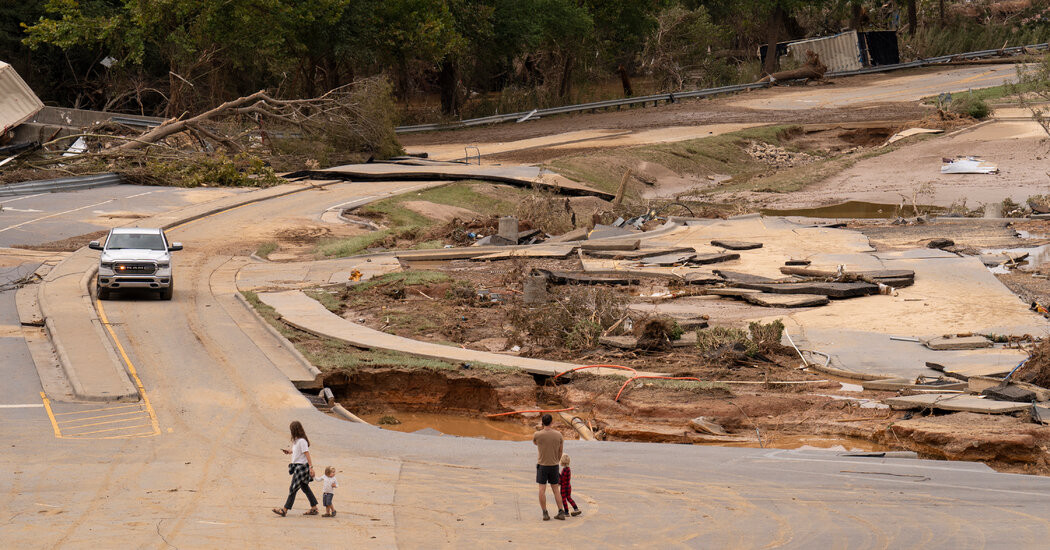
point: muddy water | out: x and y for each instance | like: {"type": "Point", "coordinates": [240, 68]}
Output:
{"type": "Point", "coordinates": [464, 426]}
{"type": "Point", "coordinates": [854, 209]}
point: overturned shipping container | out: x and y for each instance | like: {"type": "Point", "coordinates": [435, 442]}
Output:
{"type": "Point", "coordinates": [18, 103]}
{"type": "Point", "coordinates": [849, 51]}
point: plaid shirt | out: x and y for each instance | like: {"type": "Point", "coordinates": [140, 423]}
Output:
{"type": "Point", "coordinates": [566, 477]}
{"type": "Point", "coordinates": [300, 475]}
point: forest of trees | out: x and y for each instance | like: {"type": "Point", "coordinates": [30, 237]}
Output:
{"type": "Point", "coordinates": [169, 57]}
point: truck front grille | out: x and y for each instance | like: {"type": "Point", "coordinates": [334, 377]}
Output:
{"type": "Point", "coordinates": [135, 268]}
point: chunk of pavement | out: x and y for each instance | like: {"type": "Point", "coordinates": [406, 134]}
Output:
{"type": "Point", "coordinates": [495, 240]}
{"type": "Point", "coordinates": [574, 235]}
{"type": "Point", "coordinates": [735, 245]}
{"type": "Point", "coordinates": [831, 290]}
{"type": "Point", "coordinates": [798, 262]}
{"type": "Point", "coordinates": [704, 425]}
{"type": "Point", "coordinates": [638, 254]}
{"type": "Point", "coordinates": [955, 402]}
{"type": "Point", "coordinates": [704, 259]}
{"type": "Point", "coordinates": [737, 277]}
{"type": "Point", "coordinates": [940, 243]}
{"type": "Point", "coordinates": [524, 235]}
{"type": "Point", "coordinates": [897, 384]}
{"type": "Point", "coordinates": [605, 231]}
{"type": "Point", "coordinates": [692, 324]}
{"type": "Point", "coordinates": [959, 343]}
{"type": "Point", "coordinates": [785, 300]}
{"type": "Point", "coordinates": [701, 278]}
{"type": "Point", "coordinates": [731, 292]}
{"type": "Point", "coordinates": [1010, 393]}
{"type": "Point", "coordinates": [667, 260]}
{"type": "Point", "coordinates": [992, 260]}
{"type": "Point", "coordinates": [1040, 415]}
{"type": "Point", "coordinates": [632, 244]}
{"type": "Point", "coordinates": [569, 278]}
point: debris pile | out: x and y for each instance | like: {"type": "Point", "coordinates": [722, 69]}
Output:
{"type": "Point", "coordinates": [776, 157]}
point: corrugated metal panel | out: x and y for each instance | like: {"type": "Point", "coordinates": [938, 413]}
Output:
{"type": "Point", "coordinates": [839, 53]}
{"type": "Point", "coordinates": [17, 102]}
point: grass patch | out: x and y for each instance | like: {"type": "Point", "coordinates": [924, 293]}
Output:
{"type": "Point", "coordinates": [404, 223]}
{"type": "Point", "coordinates": [723, 154]}
{"type": "Point", "coordinates": [265, 249]}
{"type": "Point", "coordinates": [328, 300]}
{"type": "Point", "coordinates": [429, 245]}
{"type": "Point", "coordinates": [412, 277]}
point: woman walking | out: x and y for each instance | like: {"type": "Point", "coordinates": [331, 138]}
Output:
{"type": "Point", "coordinates": [301, 470]}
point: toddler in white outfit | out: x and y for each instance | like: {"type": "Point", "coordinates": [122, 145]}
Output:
{"type": "Point", "coordinates": [330, 483]}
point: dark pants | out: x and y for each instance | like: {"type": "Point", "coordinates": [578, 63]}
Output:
{"type": "Point", "coordinates": [306, 491]}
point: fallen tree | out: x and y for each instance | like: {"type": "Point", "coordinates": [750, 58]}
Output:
{"type": "Point", "coordinates": [247, 136]}
{"type": "Point", "coordinates": [812, 70]}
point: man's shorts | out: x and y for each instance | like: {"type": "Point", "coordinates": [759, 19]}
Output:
{"type": "Point", "coordinates": [327, 498]}
{"type": "Point", "coordinates": [547, 475]}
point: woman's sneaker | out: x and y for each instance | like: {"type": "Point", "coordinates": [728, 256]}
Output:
{"type": "Point", "coordinates": [561, 515]}
{"type": "Point", "coordinates": [546, 516]}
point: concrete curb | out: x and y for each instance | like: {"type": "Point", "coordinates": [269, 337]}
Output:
{"type": "Point", "coordinates": [284, 342]}
{"type": "Point", "coordinates": [338, 409]}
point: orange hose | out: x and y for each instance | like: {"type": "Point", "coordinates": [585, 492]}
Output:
{"type": "Point", "coordinates": [624, 386]}
{"type": "Point", "coordinates": [593, 367]}
{"type": "Point", "coordinates": [521, 412]}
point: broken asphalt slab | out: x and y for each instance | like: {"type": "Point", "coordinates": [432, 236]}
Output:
{"type": "Point", "coordinates": [955, 402]}
{"type": "Point", "coordinates": [831, 290]}
{"type": "Point", "coordinates": [785, 300]}
{"type": "Point", "coordinates": [735, 245]}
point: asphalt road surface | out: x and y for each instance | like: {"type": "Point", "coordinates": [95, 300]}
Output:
{"type": "Point", "coordinates": [210, 475]}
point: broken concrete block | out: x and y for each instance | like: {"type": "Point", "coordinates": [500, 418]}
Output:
{"type": "Point", "coordinates": [495, 240]}
{"type": "Point", "coordinates": [666, 260]}
{"type": "Point", "coordinates": [704, 259]}
{"type": "Point", "coordinates": [831, 290]}
{"type": "Point", "coordinates": [700, 278]}
{"type": "Point", "coordinates": [798, 262]}
{"type": "Point", "coordinates": [611, 245]}
{"type": "Point", "coordinates": [508, 228]}
{"type": "Point", "coordinates": [735, 245]}
{"type": "Point", "coordinates": [737, 277]}
{"type": "Point", "coordinates": [692, 324]}
{"type": "Point", "coordinates": [704, 425]}
{"type": "Point", "coordinates": [940, 243]}
{"type": "Point", "coordinates": [535, 290]}
{"type": "Point", "coordinates": [957, 343]}
{"type": "Point", "coordinates": [574, 235]}
{"type": "Point", "coordinates": [955, 402]}
{"type": "Point", "coordinates": [1010, 393]}
{"type": "Point", "coordinates": [567, 278]}
{"type": "Point", "coordinates": [638, 254]}
{"type": "Point", "coordinates": [731, 292]}
{"type": "Point", "coordinates": [785, 300]}
{"type": "Point", "coordinates": [605, 231]}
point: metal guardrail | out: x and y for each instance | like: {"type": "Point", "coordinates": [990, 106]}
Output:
{"type": "Point", "coordinates": [60, 184]}
{"type": "Point", "coordinates": [674, 96]}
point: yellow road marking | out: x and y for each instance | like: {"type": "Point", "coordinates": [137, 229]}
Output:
{"type": "Point", "coordinates": [98, 410]}
{"type": "Point", "coordinates": [78, 426]}
{"type": "Point", "coordinates": [131, 367]}
{"type": "Point", "coordinates": [110, 430]}
{"type": "Point", "coordinates": [50, 414]}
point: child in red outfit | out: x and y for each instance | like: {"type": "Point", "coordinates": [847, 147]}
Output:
{"type": "Point", "coordinates": [566, 487]}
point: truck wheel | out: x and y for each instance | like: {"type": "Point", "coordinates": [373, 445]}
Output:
{"type": "Point", "coordinates": [167, 293]}
{"type": "Point", "coordinates": [102, 293]}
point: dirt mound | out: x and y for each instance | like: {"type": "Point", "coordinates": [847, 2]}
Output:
{"type": "Point", "coordinates": [302, 235]}
{"type": "Point", "coordinates": [1037, 369]}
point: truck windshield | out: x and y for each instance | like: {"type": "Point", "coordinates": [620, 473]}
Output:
{"type": "Point", "coordinates": [139, 241]}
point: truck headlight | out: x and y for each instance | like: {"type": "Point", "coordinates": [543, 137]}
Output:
{"type": "Point", "coordinates": [106, 265]}
{"type": "Point", "coordinates": [163, 265]}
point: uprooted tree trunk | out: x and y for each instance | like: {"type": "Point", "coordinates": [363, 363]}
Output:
{"type": "Point", "coordinates": [812, 70]}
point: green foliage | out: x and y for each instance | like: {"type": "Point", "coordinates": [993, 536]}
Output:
{"type": "Point", "coordinates": [716, 339]}
{"type": "Point", "coordinates": [411, 277]}
{"type": "Point", "coordinates": [331, 302]}
{"type": "Point", "coordinates": [969, 105]}
{"type": "Point", "coordinates": [265, 249]}
{"type": "Point", "coordinates": [678, 49]}
{"type": "Point", "coordinates": [215, 170]}
{"type": "Point", "coordinates": [766, 335]}
{"type": "Point", "coordinates": [574, 320]}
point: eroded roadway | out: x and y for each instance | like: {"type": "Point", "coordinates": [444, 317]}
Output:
{"type": "Point", "coordinates": [214, 470]}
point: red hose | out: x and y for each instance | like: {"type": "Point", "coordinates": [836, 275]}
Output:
{"type": "Point", "coordinates": [624, 386]}
{"type": "Point", "coordinates": [521, 412]}
{"type": "Point", "coordinates": [593, 367]}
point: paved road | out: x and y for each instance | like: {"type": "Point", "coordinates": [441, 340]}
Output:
{"type": "Point", "coordinates": [903, 86]}
{"type": "Point", "coordinates": [211, 474]}
{"type": "Point", "coordinates": [45, 217]}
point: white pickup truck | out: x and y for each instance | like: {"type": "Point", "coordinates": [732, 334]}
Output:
{"type": "Point", "coordinates": [135, 257]}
